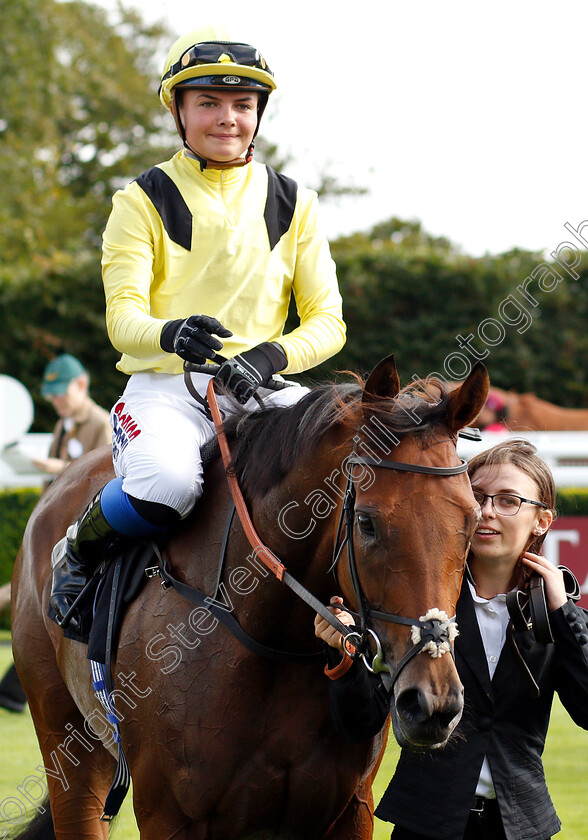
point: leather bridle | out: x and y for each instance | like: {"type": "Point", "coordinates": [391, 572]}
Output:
{"type": "Point", "coordinates": [436, 633]}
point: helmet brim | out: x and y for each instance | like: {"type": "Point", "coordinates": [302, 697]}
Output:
{"type": "Point", "coordinates": [211, 76]}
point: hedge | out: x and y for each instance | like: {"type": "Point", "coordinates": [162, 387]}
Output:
{"type": "Point", "coordinates": [15, 508]}
{"type": "Point", "coordinates": [572, 501]}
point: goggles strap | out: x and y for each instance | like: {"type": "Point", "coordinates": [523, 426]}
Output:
{"type": "Point", "coordinates": [242, 54]}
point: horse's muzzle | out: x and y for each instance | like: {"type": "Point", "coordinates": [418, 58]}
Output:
{"type": "Point", "coordinates": [422, 720]}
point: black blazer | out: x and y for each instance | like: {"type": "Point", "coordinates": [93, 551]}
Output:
{"type": "Point", "coordinates": [503, 718]}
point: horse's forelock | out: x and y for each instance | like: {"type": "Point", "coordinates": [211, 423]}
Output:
{"type": "Point", "coordinates": [417, 409]}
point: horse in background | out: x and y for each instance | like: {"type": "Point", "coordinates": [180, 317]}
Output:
{"type": "Point", "coordinates": [224, 743]}
{"type": "Point", "coordinates": [528, 413]}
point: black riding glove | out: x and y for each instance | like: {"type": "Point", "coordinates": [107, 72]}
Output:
{"type": "Point", "coordinates": [245, 373]}
{"type": "Point", "coordinates": [192, 338]}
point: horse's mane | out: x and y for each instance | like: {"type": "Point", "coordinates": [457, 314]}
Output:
{"type": "Point", "coordinates": [265, 444]}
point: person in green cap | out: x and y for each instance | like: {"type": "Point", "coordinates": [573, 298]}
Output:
{"type": "Point", "coordinates": [82, 426]}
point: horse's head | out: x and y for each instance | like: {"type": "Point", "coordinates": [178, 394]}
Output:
{"type": "Point", "coordinates": [408, 513]}
{"type": "Point", "coordinates": [411, 520]}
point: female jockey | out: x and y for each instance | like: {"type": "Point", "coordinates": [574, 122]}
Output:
{"type": "Point", "coordinates": [209, 231]}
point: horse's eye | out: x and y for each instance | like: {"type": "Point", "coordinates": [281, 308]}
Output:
{"type": "Point", "coordinates": [366, 525]}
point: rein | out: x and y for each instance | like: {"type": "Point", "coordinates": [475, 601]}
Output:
{"type": "Point", "coordinates": [262, 552]}
{"type": "Point", "coordinates": [433, 632]}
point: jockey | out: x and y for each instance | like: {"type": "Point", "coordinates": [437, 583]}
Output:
{"type": "Point", "coordinates": [493, 416]}
{"type": "Point", "coordinates": [209, 231]}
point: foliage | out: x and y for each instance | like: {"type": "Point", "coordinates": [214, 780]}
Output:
{"type": "Point", "coordinates": [437, 309]}
{"type": "Point", "coordinates": [572, 501]}
{"type": "Point", "coordinates": [15, 509]}
{"type": "Point", "coordinates": [64, 313]}
{"type": "Point", "coordinates": [78, 115]}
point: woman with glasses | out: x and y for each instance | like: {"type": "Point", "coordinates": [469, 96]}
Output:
{"type": "Point", "coordinates": [201, 254]}
{"type": "Point", "coordinates": [488, 783]}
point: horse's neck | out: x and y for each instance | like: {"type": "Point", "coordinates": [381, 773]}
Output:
{"type": "Point", "coordinates": [305, 508]}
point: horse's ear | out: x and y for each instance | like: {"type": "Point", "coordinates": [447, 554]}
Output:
{"type": "Point", "coordinates": [467, 401]}
{"type": "Point", "coordinates": [383, 381]}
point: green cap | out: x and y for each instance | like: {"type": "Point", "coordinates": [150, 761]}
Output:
{"type": "Point", "coordinates": [59, 373]}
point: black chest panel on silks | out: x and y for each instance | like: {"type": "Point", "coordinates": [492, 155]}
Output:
{"type": "Point", "coordinates": [177, 217]}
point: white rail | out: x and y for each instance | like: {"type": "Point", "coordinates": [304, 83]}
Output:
{"type": "Point", "coordinates": [566, 453]}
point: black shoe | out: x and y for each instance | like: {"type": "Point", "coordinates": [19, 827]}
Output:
{"type": "Point", "coordinates": [12, 696]}
{"type": "Point", "coordinates": [74, 560]}
{"type": "Point", "coordinates": [69, 579]}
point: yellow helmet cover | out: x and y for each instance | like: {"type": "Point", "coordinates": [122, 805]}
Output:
{"type": "Point", "coordinates": [206, 57]}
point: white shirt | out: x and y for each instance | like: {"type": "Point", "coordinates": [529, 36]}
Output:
{"type": "Point", "coordinates": [492, 616]}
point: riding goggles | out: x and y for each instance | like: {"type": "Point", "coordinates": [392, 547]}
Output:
{"type": "Point", "coordinates": [506, 504]}
{"type": "Point", "coordinates": [218, 52]}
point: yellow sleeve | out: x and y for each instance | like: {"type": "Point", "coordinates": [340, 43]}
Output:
{"type": "Point", "coordinates": [128, 260]}
{"type": "Point", "coordinates": [322, 331]}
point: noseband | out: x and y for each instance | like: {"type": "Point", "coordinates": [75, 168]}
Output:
{"type": "Point", "coordinates": [434, 631]}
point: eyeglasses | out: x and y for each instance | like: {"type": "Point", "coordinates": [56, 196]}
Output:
{"type": "Point", "coordinates": [209, 52]}
{"type": "Point", "coordinates": [506, 504]}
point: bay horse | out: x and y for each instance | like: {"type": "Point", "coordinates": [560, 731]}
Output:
{"type": "Point", "coordinates": [223, 742]}
{"type": "Point", "coordinates": [529, 413]}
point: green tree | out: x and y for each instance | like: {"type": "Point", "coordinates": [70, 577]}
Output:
{"type": "Point", "coordinates": [79, 116]}
{"type": "Point", "coordinates": [412, 294]}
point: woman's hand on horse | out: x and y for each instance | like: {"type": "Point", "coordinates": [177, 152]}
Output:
{"type": "Point", "coordinates": [555, 590]}
{"type": "Point", "coordinates": [193, 339]}
{"type": "Point", "coordinates": [328, 634]}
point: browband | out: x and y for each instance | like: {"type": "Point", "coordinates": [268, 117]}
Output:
{"type": "Point", "coordinates": [416, 468]}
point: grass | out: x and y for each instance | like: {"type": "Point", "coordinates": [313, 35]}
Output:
{"type": "Point", "coordinates": [565, 759]}
{"type": "Point", "coordinates": [21, 756]}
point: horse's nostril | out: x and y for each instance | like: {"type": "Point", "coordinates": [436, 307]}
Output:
{"type": "Point", "coordinates": [418, 707]}
{"type": "Point", "coordinates": [412, 706]}
{"type": "Point", "coordinates": [445, 718]}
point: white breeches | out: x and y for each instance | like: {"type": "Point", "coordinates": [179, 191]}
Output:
{"type": "Point", "coordinates": [159, 430]}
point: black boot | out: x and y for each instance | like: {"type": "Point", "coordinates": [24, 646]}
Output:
{"type": "Point", "coordinates": [12, 696]}
{"type": "Point", "coordinates": [75, 558]}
